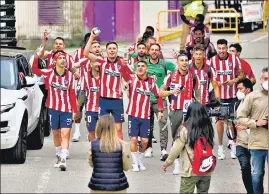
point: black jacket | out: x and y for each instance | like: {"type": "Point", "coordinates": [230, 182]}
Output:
{"type": "Point", "coordinates": [108, 172]}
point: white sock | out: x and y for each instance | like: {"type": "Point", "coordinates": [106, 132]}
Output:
{"type": "Point", "coordinates": [134, 157]}
{"type": "Point", "coordinates": [77, 128]}
{"type": "Point", "coordinates": [220, 146]}
{"type": "Point", "coordinates": [141, 156]}
{"type": "Point", "coordinates": [64, 154]}
{"type": "Point", "coordinates": [58, 150]}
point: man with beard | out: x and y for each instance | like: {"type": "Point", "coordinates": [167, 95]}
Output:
{"type": "Point", "coordinates": [229, 72]}
{"type": "Point", "coordinates": [149, 32]}
{"type": "Point", "coordinates": [149, 41]}
{"type": "Point", "coordinates": [187, 23]}
{"type": "Point", "coordinates": [111, 69]}
{"type": "Point", "coordinates": [57, 45]}
{"type": "Point", "coordinates": [141, 54]}
{"type": "Point", "coordinates": [236, 49]}
{"type": "Point", "coordinates": [158, 68]}
{"type": "Point", "coordinates": [84, 64]}
{"type": "Point", "coordinates": [199, 38]}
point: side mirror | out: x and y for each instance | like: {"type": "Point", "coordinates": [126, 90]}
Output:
{"type": "Point", "coordinates": [30, 82]}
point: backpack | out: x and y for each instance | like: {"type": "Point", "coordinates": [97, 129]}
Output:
{"type": "Point", "coordinates": [204, 161]}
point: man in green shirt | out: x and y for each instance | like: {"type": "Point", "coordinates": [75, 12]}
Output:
{"type": "Point", "coordinates": [158, 68]}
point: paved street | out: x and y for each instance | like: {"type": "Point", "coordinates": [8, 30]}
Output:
{"type": "Point", "coordinates": [37, 175]}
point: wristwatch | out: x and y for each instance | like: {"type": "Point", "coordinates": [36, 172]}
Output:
{"type": "Point", "coordinates": [161, 111]}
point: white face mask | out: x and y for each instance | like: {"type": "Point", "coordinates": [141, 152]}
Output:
{"type": "Point", "coordinates": [265, 85]}
{"type": "Point", "coordinates": [240, 95]}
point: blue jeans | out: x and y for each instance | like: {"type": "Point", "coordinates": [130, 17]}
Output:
{"type": "Point", "coordinates": [243, 155]}
{"type": "Point", "coordinates": [258, 164]}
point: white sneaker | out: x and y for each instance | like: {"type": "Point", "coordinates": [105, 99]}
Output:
{"type": "Point", "coordinates": [67, 155]}
{"type": "Point", "coordinates": [135, 168]}
{"type": "Point", "coordinates": [76, 137]}
{"type": "Point", "coordinates": [57, 163]}
{"type": "Point", "coordinates": [233, 156]}
{"type": "Point", "coordinates": [176, 167]}
{"type": "Point", "coordinates": [149, 153]}
{"type": "Point", "coordinates": [140, 162]}
{"type": "Point", "coordinates": [221, 154]}
{"type": "Point", "coordinates": [62, 165]}
{"type": "Point", "coordinates": [164, 155]}
{"type": "Point", "coordinates": [233, 150]}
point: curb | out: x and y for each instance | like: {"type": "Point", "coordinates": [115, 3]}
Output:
{"type": "Point", "coordinates": [170, 36]}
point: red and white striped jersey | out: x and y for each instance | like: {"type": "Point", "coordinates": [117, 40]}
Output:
{"type": "Point", "coordinates": [247, 69]}
{"type": "Point", "coordinates": [91, 86]}
{"type": "Point", "coordinates": [175, 80]}
{"type": "Point", "coordinates": [85, 66]}
{"type": "Point", "coordinates": [139, 96]}
{"type": "Point", "coordinates": [209, 50]}
{"type": "Point", "coordinates": [78, 55]}
{"type": "Point", "coordinates": [206, 75]}
{"type": "Point", "coordinates": [51, 63]}
{"type": "Point", "coordinates": [61, 88]}
{"type": "Point", "coordinates": [226, 69]}
{"type": "Point", "coordinates": [206, 30]}
{"type": "Point", "coordinates": [110, 77]}
{"type": "Point", "coordinates": [131, 62]}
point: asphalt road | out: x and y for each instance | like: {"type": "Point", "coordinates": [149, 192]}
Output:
{"type": "Point", "coordinates": [37, 174]}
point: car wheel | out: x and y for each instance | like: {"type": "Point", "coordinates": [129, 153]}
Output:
{"type": "Point", "coordinates": [17, 154]}
{"type": "Point", "coordinates": [47, 123]}
{"type": "Point", "coordinates": [250, 27]}
{"type": "Point", "coordinates": [36, 139]}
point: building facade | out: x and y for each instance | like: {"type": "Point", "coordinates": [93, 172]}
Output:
{"type": "Point", "coordinates": [118, 20]}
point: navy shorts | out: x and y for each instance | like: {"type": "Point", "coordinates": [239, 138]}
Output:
{"type": "Point", "coordinates": [60, 119]}
{"type": "Point", "coordinates": [138, 127]}
{"type": "Point", "coordinates": [113, 106]}
{"type": "Point", "coordinates": [91, 119]}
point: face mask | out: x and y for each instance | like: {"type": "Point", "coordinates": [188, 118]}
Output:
{"type": "Point", "coordinates": [240, 95]}
{"type": "Point", "coordinates": [265, 85]}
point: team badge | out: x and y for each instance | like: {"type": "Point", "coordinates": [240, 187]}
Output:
{"type": "Point", "coordinates": [230, 63]}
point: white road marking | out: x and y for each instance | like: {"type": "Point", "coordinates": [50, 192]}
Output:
{"type": "Point", "coordinates": [43, 181]}
{"type": "Point", "coordinates": [260, 38]}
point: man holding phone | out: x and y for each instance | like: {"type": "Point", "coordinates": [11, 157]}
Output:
{"type": "Point", "coordinates": [179, 85]}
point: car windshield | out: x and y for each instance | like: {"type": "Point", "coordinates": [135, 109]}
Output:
{"type": "Point", "coordinates": [8, 80]}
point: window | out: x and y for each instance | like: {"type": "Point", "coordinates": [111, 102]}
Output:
{"type": "Point", "coordinates": [23, 66]}
{"type": "Point", "coordinates": [50, 12]}
{"type": "Point", "coordinates": [26, 66]}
